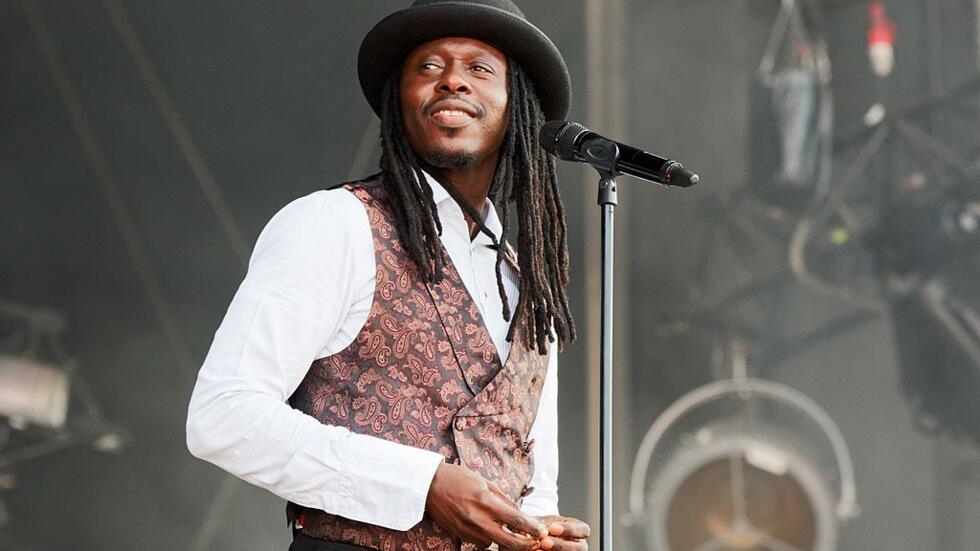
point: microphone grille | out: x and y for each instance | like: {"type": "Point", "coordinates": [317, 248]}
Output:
{"type": "Point", "coordinates": [558, 138]}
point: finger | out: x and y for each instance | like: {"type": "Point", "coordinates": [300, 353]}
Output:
{"type": "Point", "coordinates": [569, 528]}
{"type": "Point", "coordinates": [519, 523]}
{"type": "Point", "coordinates": [553, 524]}
{"type": "Point", "coordinates": [513, 541]}
{"type": "Point", "coordinates": [500, 493]}
{"type": "Point", "coordinates": [561, 544]}
{"type": "Point", "coordinates": [565, 527]}
{"type": "Point", "coordinates": [556, 529]}
{"type": "Point", "coordinates": [510, 516]}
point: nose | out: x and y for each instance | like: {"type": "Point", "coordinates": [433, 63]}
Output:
{"type": "Point", "coordinates": [453, 80]}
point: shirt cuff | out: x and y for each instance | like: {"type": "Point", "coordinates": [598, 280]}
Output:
{"type": "Point", "coordinates": [385, 483]}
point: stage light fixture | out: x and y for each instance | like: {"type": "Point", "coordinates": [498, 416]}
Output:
{"type": "Point", "coordinates": [33, 393]}
{"type": "Point", "coordinates": [742, 464]}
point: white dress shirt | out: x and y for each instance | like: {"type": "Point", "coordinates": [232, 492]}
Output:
{"type": "Point", "coordinates": [307, 293]}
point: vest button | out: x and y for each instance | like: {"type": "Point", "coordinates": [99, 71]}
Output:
{"type": "Point", "coordinates": [461, 424]}
{"type": "Point", "coordinates": [528, 446]}
{"type": "Point", "coordinates": [526, 490]}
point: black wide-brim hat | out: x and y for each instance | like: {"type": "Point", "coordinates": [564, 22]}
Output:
{"type": "Point", "coordinates": [496, 22]}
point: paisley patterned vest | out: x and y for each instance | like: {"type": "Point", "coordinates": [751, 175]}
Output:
{"type": "Point", "coordinates": [423, 372]}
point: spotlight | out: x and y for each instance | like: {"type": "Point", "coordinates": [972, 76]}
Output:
{"type": "Point", "coordinates": [33, 393]}
{"type": "Point", "coordinates": [742, 464]}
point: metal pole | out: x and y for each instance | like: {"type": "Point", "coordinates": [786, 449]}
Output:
{"type": "Point", "coordinates": [607, 200]}
{"type": "Point", "coordinates": [607, 80]}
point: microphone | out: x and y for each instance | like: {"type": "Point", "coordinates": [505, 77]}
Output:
{"type": "Point", "coordinates": [570, 141]}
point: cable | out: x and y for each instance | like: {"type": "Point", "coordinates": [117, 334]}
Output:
{"type": "Point", "coordinates": [178, 128]}
{"type": "Point", "coordinates": [834, 199]}
{"type": "Point", "coordinates": [162, 308]}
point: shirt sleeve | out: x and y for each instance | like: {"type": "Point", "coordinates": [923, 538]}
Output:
{"type": "Point", "coordinates": [544, 499]}
{"type": "Point", "coordinates": [312, 262]}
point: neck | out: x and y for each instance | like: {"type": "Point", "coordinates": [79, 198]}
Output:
{"type": "Point", "coordinates": [472, 183]}
{"type": "Point", "coordinates": [472, 188]}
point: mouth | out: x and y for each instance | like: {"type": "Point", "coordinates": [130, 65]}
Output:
{"type": "Point", "coordinates": [451, 113]}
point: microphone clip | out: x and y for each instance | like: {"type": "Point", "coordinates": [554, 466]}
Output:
{"type": "Point", "coordinates": [601, 154]}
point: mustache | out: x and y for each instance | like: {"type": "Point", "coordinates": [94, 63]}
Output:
{"type": "Point", "coordinates": [434, 105]}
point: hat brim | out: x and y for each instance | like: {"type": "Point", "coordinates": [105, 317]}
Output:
{"type": "Point", "coordinates": [386, 45]}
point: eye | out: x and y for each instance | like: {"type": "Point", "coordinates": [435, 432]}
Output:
{"type": "Point", "coordinates": [480, 68]}
{"type": "Point", "coordinates": [429, 66]}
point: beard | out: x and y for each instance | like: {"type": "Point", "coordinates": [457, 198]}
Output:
{"type": "Point", "coordinates": [456, 159]}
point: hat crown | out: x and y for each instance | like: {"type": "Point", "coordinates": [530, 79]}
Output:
{"type": "Point", "coordinates": [505, 5]}
{"type": "Point", "coordinates": [497, 22]}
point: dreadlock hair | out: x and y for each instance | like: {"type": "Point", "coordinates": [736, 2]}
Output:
{"type": "Point", "coordinates": [525, 176]}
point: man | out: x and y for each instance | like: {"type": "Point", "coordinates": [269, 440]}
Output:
{"type": "Point", "coordinates": [412, 343]}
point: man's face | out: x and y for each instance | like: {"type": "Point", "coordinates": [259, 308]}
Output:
{"type": "Point", "coordinates": [454, 102]}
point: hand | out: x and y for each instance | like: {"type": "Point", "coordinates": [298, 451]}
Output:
{"type": "Point", "coordinates": [467, 506]}
{"type": "Point", "coordinates": [565, 534]}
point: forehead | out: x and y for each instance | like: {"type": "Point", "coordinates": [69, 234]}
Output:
{"type": "Point", "coordinates": [457, 46]}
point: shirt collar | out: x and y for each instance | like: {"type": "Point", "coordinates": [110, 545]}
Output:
{"type": "Point", "coordinates": [491, 220]}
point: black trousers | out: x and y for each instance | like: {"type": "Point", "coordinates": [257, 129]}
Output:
{"type": "Point", "coordinates": [306, 543]}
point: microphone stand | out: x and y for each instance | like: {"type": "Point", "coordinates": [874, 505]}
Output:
{"type": "Point", "coordinates": [603, 157]}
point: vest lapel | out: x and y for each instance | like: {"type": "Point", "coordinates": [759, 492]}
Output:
{"type": "Point", "coordinates": [466, 331]}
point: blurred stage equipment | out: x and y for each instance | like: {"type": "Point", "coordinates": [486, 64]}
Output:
{"type": "Point", "coordinates": [745, 463]}
{"type": "Point", "coordinates": [38, 381]}
{"type": "Point", "coordinates": [796, 70]}
{"type": "Point", "coordinates": [881, 39]}
{"type": "Point", "coordinates": [44, 402]}
{"type": "Point", "coordinates": [927, 249]}
{"type": "Point", "coordinates": [910, 194]}
{"type": "Point", "coordinates": [742, 464]}
{"type": "Point", "coordinates": [32, 393]}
